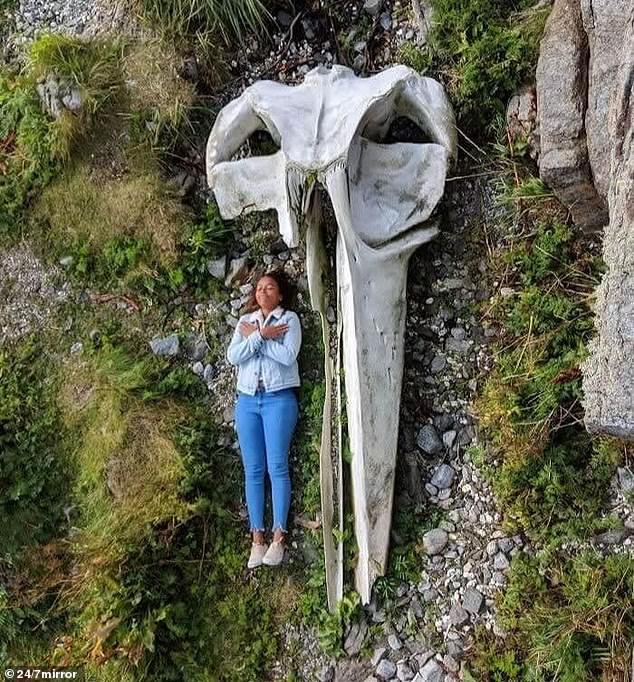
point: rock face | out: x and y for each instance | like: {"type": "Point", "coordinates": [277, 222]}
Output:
{"type": "Point", "coordinates": [604, 22]}
{"type": "Point", "coordinates": [562, 95]}
{"type": "Point", "coordinates": [609, 371]}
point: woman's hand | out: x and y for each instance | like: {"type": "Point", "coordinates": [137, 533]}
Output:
{"type": "Point", "coordinates": [247, 328]}
{"type": "Point", "coordinates": [273, 331]}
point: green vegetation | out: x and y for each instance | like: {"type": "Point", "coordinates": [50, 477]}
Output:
{"type": "Point", "coordinates": [482, 50]}
{"type": "Point", "coordinates": [29, 149]}
{"type": "Point", "coordinates": [553, 475]}
{"type": "Point", "coordinates": [571, 619]}
{"type": "Point", "coordinates": [32, 473]}
{"type": "Point", "coordinates": [229, 18]}
{"type": "Point", "coordinates": [152, 577]}
{"type": "Point", "coordinates": [568, 617]}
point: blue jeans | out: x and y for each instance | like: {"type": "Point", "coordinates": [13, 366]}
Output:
{"type": "Point", "coordinates": [265, 423]}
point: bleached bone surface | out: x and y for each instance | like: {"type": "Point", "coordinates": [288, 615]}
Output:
{"type": "Point", "coordinates": [331, 130]}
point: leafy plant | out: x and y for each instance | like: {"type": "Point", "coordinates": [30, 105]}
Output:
{"type": "Point", "coordinates": [33, 474]}
{"type": "Point", "coordinates": [483, 50]}
{"type": "Point", "coordinates": [28, 144]}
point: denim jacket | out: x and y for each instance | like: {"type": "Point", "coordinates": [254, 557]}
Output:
{"type": "Point", "coordinates": [275, 360]}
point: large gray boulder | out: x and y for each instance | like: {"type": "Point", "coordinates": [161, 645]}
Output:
{"type": "Point", "coordinates": [562, 96]}
{"type": "Point", "coordinates": [609, 371]}
{"type": "Point", "coordinates": [604, 23]}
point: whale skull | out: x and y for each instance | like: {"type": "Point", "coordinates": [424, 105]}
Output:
{"type": "Point", "coordinates": [329, 130]}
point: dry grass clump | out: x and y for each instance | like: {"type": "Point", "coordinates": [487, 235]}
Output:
{"type": "Point", "coordinates": [151, 70]}
{"type": "Point", "coordinates": [80, 208]}
{"type": "Point", "coordinates": [128, 467]}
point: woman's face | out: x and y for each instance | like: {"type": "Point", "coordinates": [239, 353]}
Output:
{"type": "Point", "coordinates": [267, 293]}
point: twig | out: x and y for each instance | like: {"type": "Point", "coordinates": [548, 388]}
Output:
{"type": "Point", "coordinates": [528, 340]}
{"type": "Point", "coordinates": [106, 298]}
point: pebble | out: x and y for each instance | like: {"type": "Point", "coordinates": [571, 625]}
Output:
{"type": "Point", "coordinates": [431, 672]}
{"type": "Point", "coordinates": [166, 346]}
{"type": "Point", "coordinates": [394, 642]}
{"type": "Point", "coordinates": [435, 541]}
{"type": "Point", "coordinates": [378, 655]}
{"type": "Point", "coordinates": [386, 669]}
{"type": "Point", "coordinates": [500, 562]}
{"type": "Point", "coordinates": [472, 600]}
{"type": "Point", "coordinates": [443, 476]}
{"type": "Point", "coordinates": [403, 671]}
{"type": "Point", "coordinates": [428, 440]}
{"type": "Point", "coordinates": [458, 616]}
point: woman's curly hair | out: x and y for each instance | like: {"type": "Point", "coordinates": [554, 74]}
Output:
{"type": "Point", "coordinates": [287, 289]}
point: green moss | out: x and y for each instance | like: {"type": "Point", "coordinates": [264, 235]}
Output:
{"type": "Point", "coordinates": [33, 473]}
{"type": "Point", "coordinates": [483, 50]}
{"type": "Point", "coordinates": [28, 144]}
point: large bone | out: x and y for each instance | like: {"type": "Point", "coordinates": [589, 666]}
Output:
{"type": "Point", "coordinates": [330, 129]}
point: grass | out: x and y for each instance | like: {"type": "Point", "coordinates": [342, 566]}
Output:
{"type": "Point", "coordinates": [93, 68]}
{"type": "Point", "coordinates": [566, 615]}
{"type": "Point", "coordinates": [482, 51]}
{"type": "Point", "coordinates": [570, 620]}
{"type": "Point", "coordinates": [150, 580]}
{"type": "Point", "coordinates": [114, 228]}
{"type": "Point", "coordinates": [29, 145]}
{"type": "Point", "coordinates": [33, 474]}
{"type": "Point", "coordinates": [552, 477]}
{"type": "Point", "coordinates": [231, 19]}
{"type": "Point", "coordinates": [159, 100]}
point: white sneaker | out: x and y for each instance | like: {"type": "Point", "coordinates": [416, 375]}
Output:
{"type": "Point", "coordinates": [257, 554]}
{"type": "Point", "coordinates": [274, 554]}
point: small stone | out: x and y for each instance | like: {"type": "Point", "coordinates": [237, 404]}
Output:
{"type": "Point", "coordinates": [372, 7]}
{"type": "Point", "coordinates": [431, 672]}
{"type": "Point", "coordinates": [492, 547]}
{"type": "Point", "coordinates": [77, 347]}
{"type": "Point", "coordinates": [386, 21]}
{"type": "Point", "coordinates": [208, 372]}
{"type": "Point", "coordinates": [458, 616]}
{"type": "Point", "coordinates": [500, 562]}
{"type": "Point", "coordinates": [455, 648]}
{"type": "Point", "coordinates": [451, 664]}
{"type": "Point", "coordinates": [378, 655]}
{"type": "Point", "coordinates": [195, 346]}
{"type": "Point", "coordinates": [379, 617]}
{"type": "Point", "coordinates": [611, 537]}
{"type": "Point", "coordinates": [198, 368]}
{"type": "Point", "coordinates": [438, 364]}
{"type": "Point", "coordinates": [429, 595]}
{"type": "Point", "coordinates": [386, 669]}
{"type": "Point", "coordinates": [472, 600]}
{"type": "Point", "coordinates": [394, 642]}
{"type": "Point", "coordinates": [428, 440]}
{"type": "Point", "coordinates": [66, 261]}
{"type": "Point", "coordinates": [435, 541]}
{"type": "Point", "coordinates": [355, 637]}
{"type": "Point", "coordinates": [217, 268]}
{"type": "Point", "coordinates": [505, 544]}
{"type": "Point", "coordinates": [443, 476]}
{"type": "Point", "coordinates": [448, 438]}
{"type": "Point", "coordinates": [166, 346]}
{"type": "Point", "coordinates": [404, 672]}
{"type": "Point", "coordinates": [228, 414]}
{"type": "Point", "coordinates": [431, 489]}
{"type": "Point", "coordinates": [238, 271]}
{"type": "Point", "coordinates": [624, 476]}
